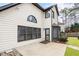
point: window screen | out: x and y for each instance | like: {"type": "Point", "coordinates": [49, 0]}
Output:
{"type": "Point", "coordinates": [28, 33]}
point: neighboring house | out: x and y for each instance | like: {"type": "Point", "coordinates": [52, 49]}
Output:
{"type": "Point", "coordinates": [22, 24]}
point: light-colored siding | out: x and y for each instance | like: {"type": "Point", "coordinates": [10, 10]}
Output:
{"type": "Point", "coordinates": [47, 23]}
{"type": "Point", "coordinates": [55, 19]}
{"type": "Point", "coordinates": [11, 18]}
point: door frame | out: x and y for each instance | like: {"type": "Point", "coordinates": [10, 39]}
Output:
{"type": "Point", "coordinates": [47, 34]}
{"type": "Point", "coordinates": [57, 32]}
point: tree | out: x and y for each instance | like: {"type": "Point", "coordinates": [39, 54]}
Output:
{"type": "Point", "coordinates": [76, 5]}
{"type": "Point", "coordinates": [65, 12]}
{"type": "Point", "coordinates": [74, 27]}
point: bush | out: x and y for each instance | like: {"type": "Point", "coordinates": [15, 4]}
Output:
{"type": "Point", "coordinates": [78, 37]}
{"type": "Point", "coordinates": [63, 37]}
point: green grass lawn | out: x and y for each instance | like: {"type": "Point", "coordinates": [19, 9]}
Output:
{"type": "Point", "coordinates": [71, 52]}
{"type": "Point", "coordinates": [73, 41]}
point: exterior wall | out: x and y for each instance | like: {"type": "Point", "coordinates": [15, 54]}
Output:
{"type": "Point", "coordinates": [11, 18]}
{"type": "Point", "coordinates": [55, 19]}
{"type": "Point", "coordinates": [47, 23]}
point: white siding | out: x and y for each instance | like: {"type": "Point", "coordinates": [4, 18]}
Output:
{"type": "Point", "coordinates": [11, 18]}
{"type": "Point", "coordinates": [55, 20]}
{"type": "Point", "coordinates": [47, 23]}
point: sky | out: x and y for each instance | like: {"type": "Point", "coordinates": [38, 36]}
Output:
{"type": "Point", "coordinates": [45, 5]}
{"type": "Point", "coordinates": [64, 5]}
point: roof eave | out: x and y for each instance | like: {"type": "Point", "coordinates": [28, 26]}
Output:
{"type": "Point", "coordinates": [57, 9]}
{"type": "Point", "coordinates": [8, 6]}
{"type": "Point", "coordinates": [36, 4]}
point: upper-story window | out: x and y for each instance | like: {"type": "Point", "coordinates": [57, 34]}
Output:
{"type": "Point", "coordinates": [53, 15]}
{"type": "Point", "coordinates": [31, 18]}
{"type": "Point", "coordinates": [47, 14]}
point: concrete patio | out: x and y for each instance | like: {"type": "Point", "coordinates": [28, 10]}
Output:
{"type": "Point", "coordinates": [39, 49]}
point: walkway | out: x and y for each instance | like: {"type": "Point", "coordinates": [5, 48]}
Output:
{"type": "Point", "coordinates": [39, 49]}
{"type": "Point", "coordinates": [74, 47]}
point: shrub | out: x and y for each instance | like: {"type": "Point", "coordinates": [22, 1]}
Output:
{"type": "Point", "coordinates": [63, 37]}
{"type": "Point", "coordinates": [78, 37]}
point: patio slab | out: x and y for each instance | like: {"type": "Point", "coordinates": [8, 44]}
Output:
{"type": "Point", "coordinates": [39, 49]}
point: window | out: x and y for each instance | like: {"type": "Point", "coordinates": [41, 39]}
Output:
{"type": "Point", "coordinates": [39, 33]}
{"type": "Point", "coordinates": [47, 14]}
{"type": "Point", "coordinates": [28, 33]}
{"type": "Point", "coordinates": [34, 33]}
{"type": "Point", "coordinates": [53, 14]}
{"type": "Point", "coordinates": [31, 18]}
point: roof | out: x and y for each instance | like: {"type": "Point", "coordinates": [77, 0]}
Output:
{"type": "Point", "coordinates": [37, 5]}
{"type": "Point", "coordinates": [2, 8]}
{"type": "Point", "coordinates": [57, 9]}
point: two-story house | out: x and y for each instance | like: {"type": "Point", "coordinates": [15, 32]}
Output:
{"type": "Point", "coordinates": [26, 23]}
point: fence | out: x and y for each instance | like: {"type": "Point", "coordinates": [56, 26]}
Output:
{"type": "Point", "coordinates": [74, 34]}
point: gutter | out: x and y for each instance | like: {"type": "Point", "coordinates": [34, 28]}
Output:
{"type": "Point", "coordinates": [8, 6]}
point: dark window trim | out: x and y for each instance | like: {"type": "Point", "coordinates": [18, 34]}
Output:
{"type": "Point", "coordinates": [47, 34]}
{"type": "Point", "coordinates": [46, 13]}
{"type": "Point", "coordinates": [26, 34]}
{"type": "Point", "coordinates": [53, 14]}
{"type": "Point", "coordinates": [33, 20]}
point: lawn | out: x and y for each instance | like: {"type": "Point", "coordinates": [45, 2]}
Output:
{"type": "Point", "coordinates": [73, 41]}
{"type": "Point", "coordinates": [71, 52]}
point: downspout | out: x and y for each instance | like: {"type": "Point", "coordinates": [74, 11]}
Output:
{"type": "Point", "coordinates": [51, 27]}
